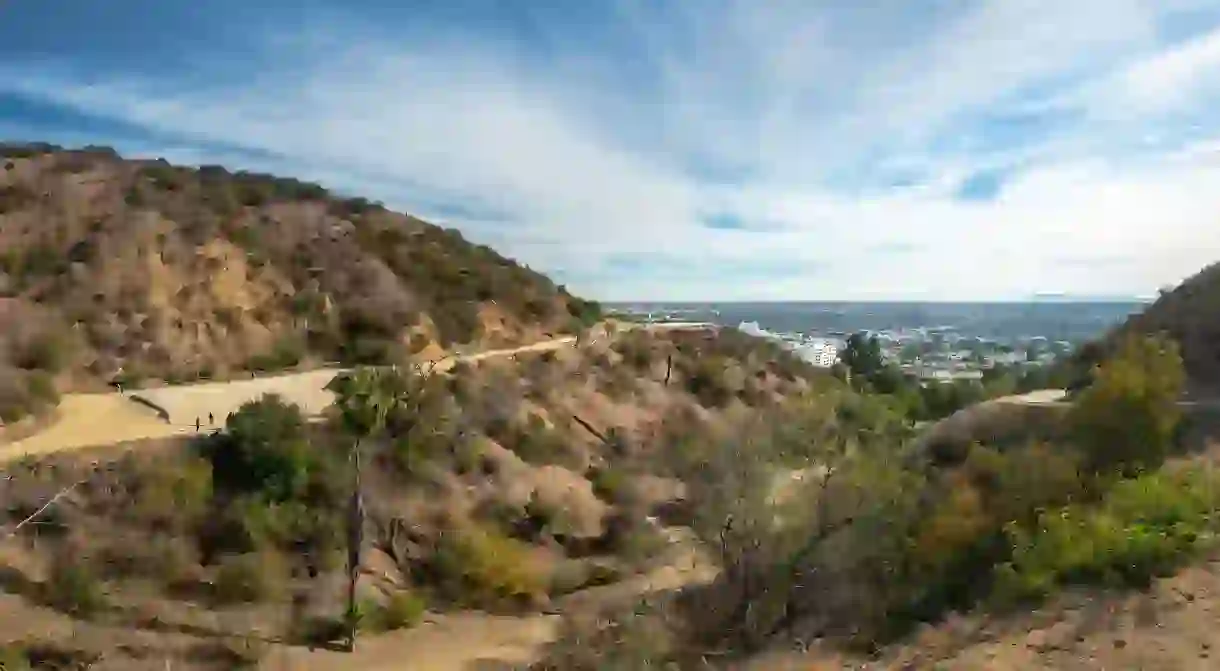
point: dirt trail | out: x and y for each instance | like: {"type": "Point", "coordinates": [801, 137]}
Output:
{"type": "Point", "coordinates": [461, 642]}
{"type": "Point", "coordinates": [450, 643]}
{"type": "Point", "coordinates": [94, 420]}
{"type": "Point", "coordinates": [88, 420]}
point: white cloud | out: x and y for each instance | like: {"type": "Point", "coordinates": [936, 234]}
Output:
{"type": "Point", "coordinates": [789, 94]}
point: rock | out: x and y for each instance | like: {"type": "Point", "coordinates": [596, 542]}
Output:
{"type": "Point", "coordinates": [1057, 637]}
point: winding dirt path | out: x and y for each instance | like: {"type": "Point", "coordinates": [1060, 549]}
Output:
{"type": "Point", "coordinates": [94, 420]}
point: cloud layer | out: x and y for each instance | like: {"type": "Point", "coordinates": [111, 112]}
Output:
{"type": "Point", "coordinates": [649, 150]}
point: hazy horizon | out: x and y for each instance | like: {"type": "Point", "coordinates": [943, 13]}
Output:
{"type": "Point", "coordinates": [1134, 300]}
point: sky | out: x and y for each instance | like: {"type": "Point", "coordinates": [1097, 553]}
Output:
{"type": "Point", "coordinates": [666, 150]}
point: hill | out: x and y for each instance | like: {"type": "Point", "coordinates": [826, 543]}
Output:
{"type": "Point", "coordinates": [1188, 314]}
{"type": "Point", "coordinates": [138, 269]}
{"type": "Point", "coordinates": [558, 481]}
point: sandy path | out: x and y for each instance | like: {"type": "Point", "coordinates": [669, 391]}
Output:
{"type": "Point", "coordinates": [450, 643]}
{"type": "Point", "coordinates": [89, 420]}
{"type": "Point", "coordinates": [93, 420]}
{"type": "Point", "coordinates": [1037, 397]}
{"type": "Point", "coordinates": [459, 642]}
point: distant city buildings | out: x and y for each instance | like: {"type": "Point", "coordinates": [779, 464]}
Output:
{"type": "Point", "coordinates": [930, 353]}
{"type": "Point", "coordinates": [823, 355]}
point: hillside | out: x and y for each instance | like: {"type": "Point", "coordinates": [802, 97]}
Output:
{"type": "Point", "coordinates": [139, 270]}
{"type": "Point", "coordinates": [557, 481]}
{"type": "Point", "coordinates": [1190, 314]}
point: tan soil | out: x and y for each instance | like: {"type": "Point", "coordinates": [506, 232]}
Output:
{"type": "Point", "coordinates": [91, 420]}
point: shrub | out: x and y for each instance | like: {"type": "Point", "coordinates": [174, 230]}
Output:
{"type": "Point", "coordinates": [14, 396]}
{"type": "Point", "coordinates": [1019, 484]}
{"type": "Point", "coordinates": [626, 640]}
{"type": "Point", "coordinates": [1145, 527]}
{"type": "Point", "coordinates": [264, 451]}
{"type": "Point", "coordinates": [317, 629]}
{"type": "Point", "coordinates": [248, 524]}
{"type": "Point", "coordinates": [42, 388]}
{"type": "Point", "coordinates": [252, 577]}
{"type": "Point", "coordinates": [403, 610]}
{"type": "Point", "coordinates": [1125, 422]}
{"type": "Point", "coordinates": [174, 560]}
{"type": "Point", "coordinates": [287, 352]}
{"type": "Point", "coordinates": [73, 587]}
{"type": "Point", "coordinates": [175, 495]}
{"type": "Point", "coordinates": [13, 658]}
{"type": "Point", "coordinates": [707, 383]}
{"type": "Point", "coordinates": [611, 484]}
{"type": "Point", "coordinates": [48, 350]}
{"type": "Point", "coordinates": [537, 443]}
{"type": "Point", "coordinates": [486, 567]}
{"type": "Point", "coordinates": [44, 654]}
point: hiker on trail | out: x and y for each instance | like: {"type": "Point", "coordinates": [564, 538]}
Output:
{"type": "Point", "coordinates": [211, 419]}
{"type": "Point", "coordinates": [196, 424]}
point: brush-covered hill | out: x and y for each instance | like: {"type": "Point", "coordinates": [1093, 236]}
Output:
{"type": "Point", "coordinates": [139, 269]}
{"type": "Point", "coordinates": [553, 481]}
{"type": "Point", "coordinates": [1190, 314]}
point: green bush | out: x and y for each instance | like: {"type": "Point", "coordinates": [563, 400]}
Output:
{"type": "Point", "coordinates": [537, 443]}
{"type": "Point", "coordinates": [175, 495]}
{"type": "Point", "coordinates": [248, 524]}
{"type": "Point", "coordinates": [42, 388]}
{"type": "Point", "coordinates": [706, 382]}
{"type": "Point", "coordinates": [482, 566]}
{"type": "Point", "coordinates": [252, 577]}
{"type": "Point", "coordinates": [318, 629]}
{"type": "Point", "coordinates": [287, 352]}
{"type": "Point", "coordinates": [1126, 420]}
{"type": "Point", "coordinates": [13, 658]}
{"type": "Point", "coordinates": [265, 451]}
{"type": "Point", "coordinates": [402, 611]}
{"type": "Point", "coordinates": [73, 587]}
{"type": "Point", "coordinates": [48, 351]}
{"type": "Point", "coordinates": [611, 484]}
{"type": "Point", "coordinates": [1145, 527]}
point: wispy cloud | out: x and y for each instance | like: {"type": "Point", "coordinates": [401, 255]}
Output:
{"type": "Point", "coordinates": [716, 150]}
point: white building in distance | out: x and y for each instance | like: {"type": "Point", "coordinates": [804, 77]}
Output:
{"type": "Point", "coordinates": [821, 354]}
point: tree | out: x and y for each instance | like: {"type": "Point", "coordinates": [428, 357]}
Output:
{"type": "Point", "coordinates": [264, 450]}
{"type": "Point", "coordinates": [365, 398]}
{"type": "Point", "coordinates": [375, 404]}
{"type": "Point", "coordinates": [862, 356]}
{"type": "Point", "coordinates": [1125, 421]}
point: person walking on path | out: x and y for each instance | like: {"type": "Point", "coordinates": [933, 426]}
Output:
{"type": "Point", "coordinates": [197, 425]}
{"type": "Point", "coordinates": [211, 419]}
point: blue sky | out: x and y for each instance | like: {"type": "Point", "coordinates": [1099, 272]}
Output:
{"type": "Point", "coordinates": [720, 149]}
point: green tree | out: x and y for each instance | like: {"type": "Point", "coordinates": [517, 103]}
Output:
{"type": "Point", "coordinates": [370, 399]}
{"type": "Point", "coordinates": [264, 450]}
{"type": "Point", "coordinates": [1125, 421]}
{"type": "Point", "coordinates": [364, 398]}
{"type": "Point", "coordinates": [862, 356]}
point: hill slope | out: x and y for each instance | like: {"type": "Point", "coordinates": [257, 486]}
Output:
{"type": "Point", "coordinates": [142, 269]}
{"type": "Point", "coordinates": [1188, 313]}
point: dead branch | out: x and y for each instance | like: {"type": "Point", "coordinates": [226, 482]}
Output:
{"type": "Point", "coordinates": [589, 427]}
{"type": "Point", "coordinates": [34, 516]}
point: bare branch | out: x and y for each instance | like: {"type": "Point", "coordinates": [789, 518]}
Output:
{"type": "Point", "coordinates": [62, 493]}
